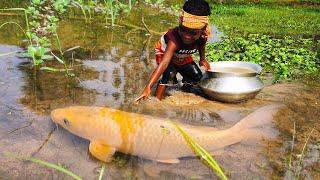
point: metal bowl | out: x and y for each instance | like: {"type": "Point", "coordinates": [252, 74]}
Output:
{"type": "Point", "coordinates": [226, 83]}
{"type": "Point", "coordinates": [233, 68]}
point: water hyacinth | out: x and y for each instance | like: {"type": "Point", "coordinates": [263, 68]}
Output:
{"type": "Point", "coordinates": [287, 58]}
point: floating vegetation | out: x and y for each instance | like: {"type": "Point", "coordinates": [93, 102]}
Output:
{"type": "Point", "coordinates": [287, 58]}
{"type": "Point", "coordinates": [202, 153]}
{"type": "Point", "coordinates": [44, 163]}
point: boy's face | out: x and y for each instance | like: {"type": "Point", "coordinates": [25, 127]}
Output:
{"type": "Point", "coordinates": [189, 35]}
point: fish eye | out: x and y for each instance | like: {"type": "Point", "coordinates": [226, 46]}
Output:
{"type": "Point", "coordinates": [66, 122]}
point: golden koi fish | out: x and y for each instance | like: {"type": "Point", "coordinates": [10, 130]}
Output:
{"type": "Point", "coordinates": [111, 130]}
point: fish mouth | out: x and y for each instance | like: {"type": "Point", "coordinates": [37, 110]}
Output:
{"type": "Point", "coordinates": [54, 116]}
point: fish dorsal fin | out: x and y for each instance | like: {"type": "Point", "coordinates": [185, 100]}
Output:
{"type": "Point", "coordinates": [101, 151]}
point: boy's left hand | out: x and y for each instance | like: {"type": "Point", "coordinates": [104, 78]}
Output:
{"type": "Point", "coordinates": [205, 64]}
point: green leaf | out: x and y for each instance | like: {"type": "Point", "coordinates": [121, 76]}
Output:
{"type": "Point", "coordinates": [57, 58]}
{"type": "Point", "coordinates": [50, 69]}
{"type": "Point", "coordinates": [202, 153]}
{"type": "Point", "coordinates": [44, 163]}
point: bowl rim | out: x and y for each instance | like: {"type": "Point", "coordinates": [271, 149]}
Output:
{"type": "Point", "coordinates": [256, 68]}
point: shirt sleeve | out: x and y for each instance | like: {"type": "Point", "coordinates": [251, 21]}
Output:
{"type": "Point", "coordinates": [170, 36]}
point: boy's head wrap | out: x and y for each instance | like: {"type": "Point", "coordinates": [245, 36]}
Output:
{"type": "Point", "coordinates": [195, 22]}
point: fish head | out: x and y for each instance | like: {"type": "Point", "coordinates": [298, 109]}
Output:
{"type": "Point", "coordinates": [76, 119]}
{"type": "Point", "coordinates": [65, 117]}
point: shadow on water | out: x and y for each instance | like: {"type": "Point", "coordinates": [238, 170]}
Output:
{"type": "Point", "coordinates": [111, 71]}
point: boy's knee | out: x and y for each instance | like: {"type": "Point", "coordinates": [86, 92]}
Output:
{"type": "Point", "coordinates": [197, 74]}
{"type": "Point", "coordinates": [198, 77]}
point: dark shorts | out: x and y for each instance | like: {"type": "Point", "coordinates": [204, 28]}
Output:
{"type": "Point", "coordinates": [190, 72]}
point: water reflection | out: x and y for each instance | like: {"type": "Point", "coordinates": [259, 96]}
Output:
{"type": "Point", "coordinates": [109, 84]}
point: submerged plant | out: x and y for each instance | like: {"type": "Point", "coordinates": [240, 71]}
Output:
{"type": "Point", "coordinates": [202, 153]}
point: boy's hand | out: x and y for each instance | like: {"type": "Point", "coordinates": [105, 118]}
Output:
{"type": "Point", "coordinates": [205, 64]}
{"type": "Point", "coordinates": [144, 95]}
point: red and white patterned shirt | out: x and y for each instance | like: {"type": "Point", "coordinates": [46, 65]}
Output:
{"type": "Point", "coordinates": [183, 54]}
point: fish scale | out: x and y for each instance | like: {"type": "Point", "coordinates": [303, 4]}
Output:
{"type": "Point", "coordinates": [110, 130]}
{"type": "Point", "coordinates": [160, 140]}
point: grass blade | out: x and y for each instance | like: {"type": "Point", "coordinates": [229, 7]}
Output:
{"type": "Point", "coordinates": [44, 163]}
{"type": "Point", "coordinates": [70, 49]}
{"type": "Point", "coordinates": [9, 53]}
{"type": "Point", "coordinates": [202, 153]}
{"type": "Point", "coordinates": [13, 9]}
{"type": "Point", "coordinates": [102, 171]}
{"type": "Point", "coordinates": [11, 22]}
{"type": "Point", "coordinates": [298, 170]}
{"type": "Point", "coordinates": [57, 58]}
{"type": "Point", "coordinates": [292, 145]}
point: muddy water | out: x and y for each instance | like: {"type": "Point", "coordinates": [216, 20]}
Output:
{"type": "Point", "coordinates": [113, 75]}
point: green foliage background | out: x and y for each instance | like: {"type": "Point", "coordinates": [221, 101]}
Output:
{"type": "Point", "coordinates": [286, 58]}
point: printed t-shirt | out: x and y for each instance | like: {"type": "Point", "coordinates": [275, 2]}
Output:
{"type": "Point", "coordinates": [183, 53]}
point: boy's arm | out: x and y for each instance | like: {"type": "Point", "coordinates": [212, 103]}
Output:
{"type": "Point", "coordinates": [158, 71]}
{"type": "Point", "coordinates": [203, 62]}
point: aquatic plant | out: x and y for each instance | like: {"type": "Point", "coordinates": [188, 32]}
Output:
{"type": "Point", "coordinates": [202, 153]}
{"type": "Point", "coordinates": [287, 58]}
{"type": "Point", "coordinates": [45, 163]}
{"type": "Point", "coordinates": [36, 43]}
{"type": "Point", "coordinates": [43, 23]}
{"type": "Point", "coordinates": [41, 18]}
{"type": "Point", "coordinates": [88, 6]}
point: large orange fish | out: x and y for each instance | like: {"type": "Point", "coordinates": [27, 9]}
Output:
{"type": "Point", "coordinates": [111, 130]}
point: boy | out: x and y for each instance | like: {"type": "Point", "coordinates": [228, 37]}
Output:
{"type": "Point", "coordinates": [173, 51]}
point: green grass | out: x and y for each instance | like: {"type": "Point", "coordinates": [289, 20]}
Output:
{"type": "Point", "coordinates": [102, 171]}
{"type": "Point", "coordinates": [202, 153]}
{"type": "Point", "coordinates": [273, 20]}
{"type": "Point", "coordinates": [278, 2]}
{"type": "Point", "coordinates": [46, 164]}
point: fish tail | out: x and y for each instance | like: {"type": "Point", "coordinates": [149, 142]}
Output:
{"type": "Point", "coordinates": [246, 129]}
{"type": "Point", "coordinates": [259, 117]}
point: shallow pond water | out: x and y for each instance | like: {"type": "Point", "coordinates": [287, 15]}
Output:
{"type": "Point", "coordinates": [113, 75]}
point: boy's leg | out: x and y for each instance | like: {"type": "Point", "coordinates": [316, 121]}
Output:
{"type": "Point", "coordinates": [190, 72]}
{"type": "Point", "coordinates": [167, 75]}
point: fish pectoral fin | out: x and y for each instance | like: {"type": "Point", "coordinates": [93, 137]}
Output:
{"type": "Point", "coordinates": [101, 151]}
{"type": "Point", "coordinates": [168, 161]}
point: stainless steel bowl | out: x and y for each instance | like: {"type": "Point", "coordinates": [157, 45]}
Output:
{"type": "Point", "coordinates": [232, 81]}
{"type": "Point", "coordinates": [234, 68]}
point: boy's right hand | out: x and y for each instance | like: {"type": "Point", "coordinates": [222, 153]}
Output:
{"type": "Point", "coordinates": [144, 95]}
